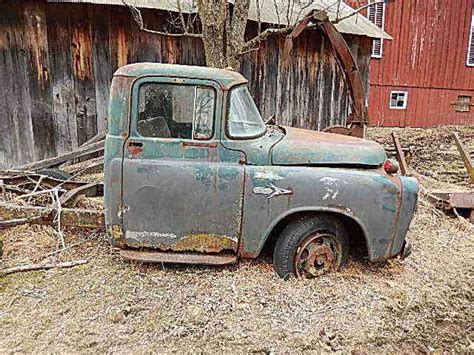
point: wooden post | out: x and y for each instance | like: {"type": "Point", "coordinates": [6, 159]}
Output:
{"type": "Point", "coordinates": [400, 155]}
{"type": "Point", "coordinates": [465, 156]}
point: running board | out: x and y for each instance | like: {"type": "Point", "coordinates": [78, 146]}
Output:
{"type": "Point", "coordinates": [178, 258]}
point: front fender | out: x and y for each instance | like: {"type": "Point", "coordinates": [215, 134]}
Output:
{"type": "Point", "coordinates": [369, 197]}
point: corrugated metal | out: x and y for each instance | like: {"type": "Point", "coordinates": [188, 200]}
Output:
{"type": "Point", "coordinates": [280, 12]}
{"type": "Point", "coordinates": [427, 58]}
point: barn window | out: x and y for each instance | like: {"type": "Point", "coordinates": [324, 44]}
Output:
{"type": "Point", "coordinates": [470, 50]}
{"type": "Point", "coordinates": [398, 100]}
{"type": "Point", "coordinates": [463, 103]}
{"type": "Point", "coordinates": [377, 16]}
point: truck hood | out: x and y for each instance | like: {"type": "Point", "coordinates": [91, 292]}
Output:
{"type": "Point", "coordinates": [305, 147]}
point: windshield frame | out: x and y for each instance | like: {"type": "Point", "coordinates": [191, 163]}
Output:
{"type": "Point", "coordinates": [226, 128]}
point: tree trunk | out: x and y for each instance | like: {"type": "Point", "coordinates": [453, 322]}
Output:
{"type": "Point", "coordinates": [213, 15]}
{"type": "Point", "coordinates": [223, 34]}
{"type": "Point", "coordinates": [236, 33]}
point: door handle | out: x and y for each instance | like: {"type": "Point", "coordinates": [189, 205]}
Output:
{"type": "Point", "coordinates": [134, 147]}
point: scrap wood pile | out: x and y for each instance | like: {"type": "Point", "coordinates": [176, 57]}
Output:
{"type": "Point", "coordinates": [64, 191]}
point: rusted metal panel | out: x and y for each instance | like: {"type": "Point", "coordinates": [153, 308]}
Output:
{"type": "Point", "coordinates": [157, 257]}
{"type": "Point", "coordinates": [455, 199]}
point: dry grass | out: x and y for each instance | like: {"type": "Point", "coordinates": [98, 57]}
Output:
{"type": "Point", "coordinates": [421, 304]}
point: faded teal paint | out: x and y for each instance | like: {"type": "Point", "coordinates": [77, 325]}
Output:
{"type": "Point", "coordinates": [196, 153]}
{"type": "Point", "coordinates": [119, 103]}
{"type": "Point", "coordinates": [304, 147]}
{"type": "Point", "coordinates": [224, 77]}
{"type": "Point", "coordinates": [203, 174]}
{"type": "Point", "coordinates": [181, 187]}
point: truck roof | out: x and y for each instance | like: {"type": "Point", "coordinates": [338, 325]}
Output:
{"type": "Point", "coordinates": [225, 77]}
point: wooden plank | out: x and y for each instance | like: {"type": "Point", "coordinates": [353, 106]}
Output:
{"type": "Point", "coordinates": [85, 107]}
{"type": "Point", "coordinates": [465, 156]}
{"type": "Point", "coordinates": [15, 102]}
{"type": "Point", "coordinates": [80, 152]}
{"type": "Point", "coordinates": [60, 57]}
{"type": "Point", "coordinates": [102, 61]}
{"type": "Point", "coordinates": [39, 82]}
{"type": "Point", "coordinates": [400, 155]}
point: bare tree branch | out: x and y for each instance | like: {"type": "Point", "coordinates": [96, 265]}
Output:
{"type": "Point", "coordinates": [137, 16]}
{"type": "Point", "coordinates": [263, 36]}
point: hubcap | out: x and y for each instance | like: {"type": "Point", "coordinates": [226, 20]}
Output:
{"type": "Point", "coordinates": [316, 255]}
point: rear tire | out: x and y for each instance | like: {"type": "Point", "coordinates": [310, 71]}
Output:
{"type": "Point", "coordinates": [55, 173]}
{"type": "Point", "coordinates": [311, 246]}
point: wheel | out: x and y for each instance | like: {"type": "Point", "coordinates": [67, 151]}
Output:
{"type": "Point", "coordinates": [55, 173]}
{"type": "Point", "coordinates": [311, 246]}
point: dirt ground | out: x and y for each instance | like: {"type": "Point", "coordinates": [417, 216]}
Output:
{"type": "Point", "coordinates": [421, 304]}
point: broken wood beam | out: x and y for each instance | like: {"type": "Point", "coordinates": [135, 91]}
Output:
{"type": "Point", "coordinates": [465, 156]}
{"type": "Point", "coordinates": [70, 217]}
{"type": "Point", "coordinates": [98, 137]}
{"type": "Point", "coordinates": [78, 153]}
{"type": "Point", "coordinates": [400, 155]}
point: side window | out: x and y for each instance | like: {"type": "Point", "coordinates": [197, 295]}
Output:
{"type": "Point", "coordinates": [398, 100]}
{"type": "Point", "coordinates": [176, 111]}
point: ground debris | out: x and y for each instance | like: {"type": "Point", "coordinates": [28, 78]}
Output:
{"type": "Point", "coordinates": [421, 304]}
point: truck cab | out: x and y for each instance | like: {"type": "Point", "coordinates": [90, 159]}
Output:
{"type": "Point", "coordinates": [194, 175]}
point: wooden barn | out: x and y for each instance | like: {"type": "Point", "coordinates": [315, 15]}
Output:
{"type": "Point", "coordinates": [425, 76]}
{"type": "Point", "coordinates": [57, 59]}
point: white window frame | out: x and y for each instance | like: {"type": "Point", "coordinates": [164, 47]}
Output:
{"type": "Point", "coordinates": [405, 103]}
{"type": "Point", "coordinates": [371, 8]}
{"type": "Point", "coordinates": [470, 44]}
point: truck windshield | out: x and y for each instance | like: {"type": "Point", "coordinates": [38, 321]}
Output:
{"type": "Point", "coordinates": [244, 120]}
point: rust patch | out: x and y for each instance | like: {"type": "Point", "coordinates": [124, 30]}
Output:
{"type": "Point", "coordinates": [199, 242]}
{"type": "Point", "coordinates": [204, 243]}
{"type": "Point", "coordinates": [115, 234]}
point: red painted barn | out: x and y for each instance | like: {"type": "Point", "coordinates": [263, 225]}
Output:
{"type": "Point", "coordinates": [425, 76]}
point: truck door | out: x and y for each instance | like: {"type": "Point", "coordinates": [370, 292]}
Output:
{"type": "Point", "coordinates": [182, 190]}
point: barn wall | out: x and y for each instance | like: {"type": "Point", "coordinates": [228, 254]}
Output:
{"type": "Point", "coordinates": [426, 58]}
{"type": "Point", "coordinates": [57, 60]}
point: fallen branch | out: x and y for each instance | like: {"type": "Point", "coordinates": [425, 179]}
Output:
{"type": "Point", "coordinates": [33, 267]}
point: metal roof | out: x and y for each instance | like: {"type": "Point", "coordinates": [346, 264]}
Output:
{"type": "Point", "coordinates": [278, 12]}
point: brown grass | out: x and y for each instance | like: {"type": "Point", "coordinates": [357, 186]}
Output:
{"type": "Point", "coordinates": [421, 304]}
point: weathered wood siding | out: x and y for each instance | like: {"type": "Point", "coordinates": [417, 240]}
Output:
{"type": "Point", "coordinates": [57, 60]}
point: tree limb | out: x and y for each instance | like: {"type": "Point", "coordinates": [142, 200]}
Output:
{"type": "Point", "coordinates": [33, 267]}
{"type": "Point", "coordinates": [137, 16]}
{"type": "Point", "coordinates": [263, 36]}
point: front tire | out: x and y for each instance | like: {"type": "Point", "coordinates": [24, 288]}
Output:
{"type": "Point", "coordinates": [311, 246]}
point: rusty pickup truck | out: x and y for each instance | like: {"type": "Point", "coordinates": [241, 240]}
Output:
{"type": "Point", "coordinates": [194, 175]}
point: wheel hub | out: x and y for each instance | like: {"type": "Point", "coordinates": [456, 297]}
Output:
{"type": "Point", "coordinates": [316, 255]}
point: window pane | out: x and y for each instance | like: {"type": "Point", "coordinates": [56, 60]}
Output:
{"type": "Point", "coordinates": [204, 113]}
{"type": "Point", "coordinates": [168, 110]}
{"type": "Point", "coordinates": [244, 120]}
